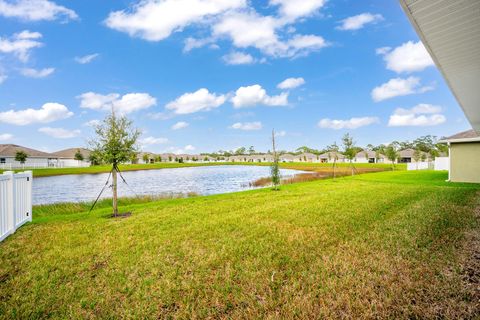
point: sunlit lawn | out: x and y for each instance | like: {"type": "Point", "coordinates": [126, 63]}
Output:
{"type": "Point", "coordinates": [383, 245]}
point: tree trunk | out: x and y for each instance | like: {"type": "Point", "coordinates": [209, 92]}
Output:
{"type": "Point", "coordinates": [351, 165]}
{"type": "Point", "coordinates": [115, 200]}
{"type": "Point", "coordinates": [334, 167]}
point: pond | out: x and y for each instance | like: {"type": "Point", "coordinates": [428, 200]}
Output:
{"type": "Point", "coordinates": [199, 180]}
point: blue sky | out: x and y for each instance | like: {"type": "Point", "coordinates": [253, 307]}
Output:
{"type": "Point", "coordinates": [204, 75]}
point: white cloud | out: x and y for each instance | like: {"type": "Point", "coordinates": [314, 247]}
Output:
{"type": "Point", "coordinates": [125, 104]}
{"type": "Point", "coordinates": [189, 147]}
{"type": "Point", "coordinates": [420, 115]}
{"type": "Point", "coordinates": [291, 83]}
{"type": "Point", "coordinates": [20, 44]}
{"type": "Point", "coordinates": [87, 59]}
{"type": "Point", "coordinates": [192, 43]}
{"type": "Point", "coordinates": [3, 77]}
{"type": "Point", "coordinates": [382, 50]}
{"type": "Point", "coordinates": [186, 149]}
{"type": "Point", "coordinates": [398, 87]}
{"type": "Point", "coordinates": [155, 20]}
{"type": "Point", "coordinates": [34, 73]}
{"type": "Point", "coordinates": [236, 20]}
{"type": "Point", "coordinates": [35, 10]}
{"type": "Point", "coordinates": [148, 141]}
{"type": "Point", "coordinates": [247, 126]}
{"type": "Point", "coordinates": [280, 133]}
{"type": "Point", "coordinates": [352, 123]}
{"type": "Point", "coordinates": [180, 125]}
{"type": "Point", "coordinates": [236, 58]}
{"type": "Point", "coordinates": [359, 21]}
{"type": "Point", "coordinates": [200, 100]}
{"type": "Point", "coordinates": [237, 26]}
{"type": "Point", "coordinates": [92, 123]}
{"type": "Point", "coordinates": [59, 133]}
{"type": "Point", "coordinates": [161, 115]}
{"type": "Point", "coordinates": [409, 57]}
{"type": "Point", "coordinates": [255, 95]}
{"type": "Point", "coordinates": [49, 112]}
{"type": "Point", "coordinates": [293, 9]}
{"type": "Point", "coordinates": [6, 136]}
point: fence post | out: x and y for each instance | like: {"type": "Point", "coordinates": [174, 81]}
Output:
{"type": "Point", "coordinates": [10, 202]}
{"type": "Point", "coordinates": [29, 194]}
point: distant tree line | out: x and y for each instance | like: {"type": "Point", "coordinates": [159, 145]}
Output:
{"type": "Point", "coordinates": [426, 144]}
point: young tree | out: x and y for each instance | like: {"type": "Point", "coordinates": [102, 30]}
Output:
{"type": "Point", "coordinates": [251, 150]}
{"type": "Point", "coordinates": [78, 155]}
{"type": "Point", "coordinates": [21, 156]}
{"type": "Point", "coordinates": [349, 149]}
{"type": "Point", "coordinates": [115, 143]}
{"type": "Point", "coordinates": [95, 158]}
{"type": "Point", "coordinates": [134, 158]}
{"type": "Point", "coordinates": [274, 169]}
{"type": "Point", "coordinates": [333, 151]}
{"type": "Point", "coordinates": [392, 154]}
{"type": "Point", "coordinates": [146, 158]}
{"type": "Point", "coordinates": [240, 151]}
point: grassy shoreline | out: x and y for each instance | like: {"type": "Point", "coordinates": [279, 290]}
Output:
{"type": "Point", "coordinates": [382, 245]}
{"type": "Point", "coordinates": [137, 167]}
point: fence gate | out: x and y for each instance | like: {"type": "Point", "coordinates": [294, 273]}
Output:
{"type": "Point", "coordinates": [15, 201]}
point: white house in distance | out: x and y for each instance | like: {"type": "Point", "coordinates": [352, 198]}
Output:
{"type": "Point", "coordinates": [41, 159]}
{"type": "Point", "coordinates": [407, 156]}
{"type": "Point", "coordinates": [35, 158]}
{"type": "Point", "coordinates": [66, 157]}
{"type": "Point", "coordinates": [331, 157]}
{"type": "Point", "coordinates": [369, 156]}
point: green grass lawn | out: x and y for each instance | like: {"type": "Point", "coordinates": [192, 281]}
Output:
{"type": "Point", "coordinates": [380, 245]}
{"type": "Point", "coordinates": [165, 165]}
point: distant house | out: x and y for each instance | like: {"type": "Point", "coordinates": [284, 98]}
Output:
{"type": "Point", "coordinates": [407, 155]}
{"type": "Point", "coordinates": [287, 157]}
{"type": "Point", "coordinates": [329, 157]}
{"type": "Point", "coordinates": [369, 156]}
{"type": "Point", "coordinates": [464, 153]}
{"type": "Point", "coordinates": [307, 157]}
{"type": "Point", "coordinates": [35, 159]}
{"type": "Point", "coordinates": [66, 158]}
{"type": "Point", "coordinates": [145, 158]}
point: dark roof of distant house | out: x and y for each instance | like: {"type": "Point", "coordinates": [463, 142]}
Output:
{"type": "Point", "coordinates": [9, 150]}
{"type": "Point", "coordinates": [70, 153]}
{"type": "Point", "coordinates": [408, 153]}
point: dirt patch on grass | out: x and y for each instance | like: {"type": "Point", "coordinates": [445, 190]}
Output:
{"type": "Point", "coordinates": [121, 215]}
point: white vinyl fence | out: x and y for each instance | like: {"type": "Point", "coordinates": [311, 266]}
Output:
{"type": "Point", "coordinates": [15, 201]}
{"type": "Point", "coordinates": [420, 166]}
{"type": "Point", "coordinates": [440, 163]}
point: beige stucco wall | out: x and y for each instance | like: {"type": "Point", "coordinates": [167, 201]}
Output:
{"type": "Point", "coordinates": [465, 162]}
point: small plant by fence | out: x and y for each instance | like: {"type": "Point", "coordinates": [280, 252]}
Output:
{"type": "Point", "coordinates": [15, 201]}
